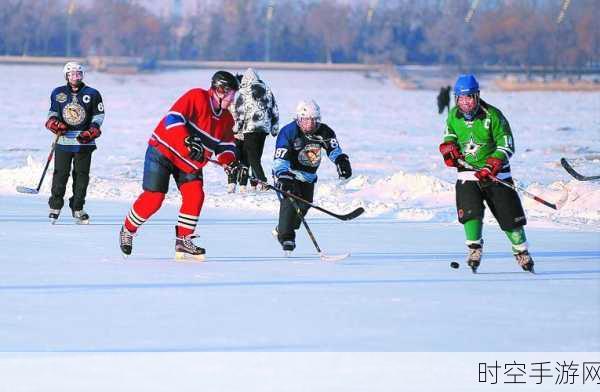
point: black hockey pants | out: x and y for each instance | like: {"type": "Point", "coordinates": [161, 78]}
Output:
{"type": "Point", "coordinates": [254, 144]}
{"type": "Point", "coordinates": [81, 178]}
{"type": "Point", "coordinates": [289, 221]}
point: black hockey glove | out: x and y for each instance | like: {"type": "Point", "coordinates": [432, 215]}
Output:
{"type": "Point", "coordinates": [287, 182]}
{"type": "Point", "coordinates": [233, 168]}
{"type": "Point", "coordinates": [342, 162]}
{"type": "Point", "coordinates": [195, 147]}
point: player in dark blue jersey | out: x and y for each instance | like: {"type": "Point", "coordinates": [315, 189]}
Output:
{"type": "Point", "coordinates": [298, 153]}
{"type": "Point", "coordinates": [76, 115]}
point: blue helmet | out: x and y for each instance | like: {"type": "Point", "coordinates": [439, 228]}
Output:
{"type": "Point", "coordinates": [466, 85]}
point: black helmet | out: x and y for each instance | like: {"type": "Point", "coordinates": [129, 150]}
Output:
{"type": "Point", "coordinates": [224, 79]}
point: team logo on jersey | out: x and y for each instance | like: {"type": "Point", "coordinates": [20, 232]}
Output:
{"type": "Point", "coordinates": [61, 98]}
{"type": "Point", "coordinates": [73, 113]}
{"type": "Point", "coordinates": [86, 99]}
{"type": "Point", "coordinates": [471, 148]}
{"type": "Point", "coordinates": [310, 155]}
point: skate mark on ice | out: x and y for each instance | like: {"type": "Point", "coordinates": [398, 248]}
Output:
{"type": "Point", "coordinates": [69, 288]}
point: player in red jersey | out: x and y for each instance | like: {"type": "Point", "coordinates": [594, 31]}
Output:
{"type": "Point", "coordinates": [197, 127]}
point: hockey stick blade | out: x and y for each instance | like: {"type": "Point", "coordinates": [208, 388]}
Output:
{"type": "Point", "coordinates": [333, 258]}
{"type": "Point", "coordinates": [351, 215]}
{"type": "Point", "coordinates": [567, 166]}
{"type": "Point", "coordinates": [24, 189]}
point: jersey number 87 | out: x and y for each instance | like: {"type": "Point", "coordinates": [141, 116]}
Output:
{"type": "Point", "coordinates": [280, 152]}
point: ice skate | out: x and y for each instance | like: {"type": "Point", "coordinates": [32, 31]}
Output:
{"type": "Point", "coordinates": [230, 188]}
{"type": "Point", "coordinates": [53, 215]}
{"type": "Point", "coordinates": [242, 188]}
{"type": "Point", "coordinates": [126, 241]}
{"type": "Point", "coordinates": [474, 257]}
{"type": "Point", "coordinates": [185, 249]}
{"type": "Point", "coordinates": [288, 247]}
{"type": "Point", "coordinates": [525, 261]}
{"type": "Point", "coordinates": [81, 217]}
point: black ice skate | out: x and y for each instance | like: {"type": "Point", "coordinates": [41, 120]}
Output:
{"type": "Point", "coordinates": [53, 215]}
{"type": "Point", "coordinates": [474, 257]}
{"type": "Point", "coordinates": [525, 261]}
{"type": "Point", "coordinates": [185, 248]}
{"type": "Point", "coordinates": [81, 217]}
{"type": "Point", "coordinates": [126, 241]}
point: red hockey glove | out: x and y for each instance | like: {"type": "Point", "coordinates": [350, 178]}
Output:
{"type": "Point", "coordinates": [56, 126]}
{"type": "Point", "coordinates": [491, 168]}
{"type": "Point", "coordinates": [451, 153]}
{"type": "Point", "coordinates": [89, 134]}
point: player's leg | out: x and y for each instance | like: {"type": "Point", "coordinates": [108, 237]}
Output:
{"type": "Point", "coordinates": [470, 210]}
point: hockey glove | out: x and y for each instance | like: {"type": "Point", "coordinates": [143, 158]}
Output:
{"type": "Point", "coordinates": [287, 182]}
{"type": "Point", "coordinates": [195, 147]}
{"type": "Point", "coordinates": [93, 132]}
{"type": "Point", "coordinates": [56, 126]}
{"type": "Point", "coordinates": [233, 168]}
{"type": "Point", "coordinates": [451, 153]}
{"type": "Point", "coordinates": [342, 162]}
{"type": "Point", "coordinates": [491, 168]}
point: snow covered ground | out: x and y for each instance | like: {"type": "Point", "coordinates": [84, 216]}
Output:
{"type": "Point", "coordinates": [69, 298]}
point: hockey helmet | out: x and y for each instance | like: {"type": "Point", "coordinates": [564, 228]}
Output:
{"type": "Point", "coordinates": [308, 115]}
{"type": "Point", "coordinates": [466, 95]}
{"type": "Point", "coordinates": [72, 66]}
{"type": "Point", "coordinates": [224, 80]}
{"type": "Point", "coordinates": [466, 85]}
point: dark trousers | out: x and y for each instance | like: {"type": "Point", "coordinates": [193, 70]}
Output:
{"type": "Point", "coordinates": [502, 201]}
{"type": "Point", "coordinates": [240, 176]}
{"type": "Point", "coordinates": [289, 221]}
{"type": "Point", "coordinates": [81, 177]}
{"type": "Point", "coordinates": [254, 144]}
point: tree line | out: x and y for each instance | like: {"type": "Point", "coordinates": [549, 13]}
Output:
{"type": "Point", "coordinates": [559, 33]}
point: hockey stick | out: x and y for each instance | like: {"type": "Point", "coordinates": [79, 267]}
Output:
{"type": "Point", "coordinates": [572, 172]}
{"type": "Point", "coordinates": [349, 216]}
{"type": "Point", "coordinates": [32, 191]}
{"type": "Point", "coordinates": [466, 165]}
{"type": "Point", "coordinates": [322, 255]}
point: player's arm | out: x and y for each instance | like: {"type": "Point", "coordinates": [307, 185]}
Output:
{"type": "Point", "coordinates": [283, 151]}
{"type": "Point", "coordinates": [505, 146]}
{"type": "Point", "coordinates": [336, 155]}
{"type": "Point", "coordinates": [274, 116]}
{"type": "Point", "coordinates": [449, 147]}
{"type": "Point", "coordinates": [225, 150]}
{"type": "Point", "coordinates": [97, 110]}
{"type": "Point", "coordinates": [53, 123]}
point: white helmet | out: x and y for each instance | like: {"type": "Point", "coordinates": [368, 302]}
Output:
{"type": "Point", "coordinates": [72, 66]}
{"type": "Point", "coordinates": [308, 109]}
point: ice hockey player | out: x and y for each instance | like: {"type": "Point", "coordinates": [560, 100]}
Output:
{"type": "Point", "coordinates": [197, 126]}
{"type": "Point", "coordinates": [297, 158]}
{"type": "Point", "coordinates": [256, 116]}
{"type": "Point", "coordinates": [479, 134]}
{"type": "Point", "coordinates": [75, 116]}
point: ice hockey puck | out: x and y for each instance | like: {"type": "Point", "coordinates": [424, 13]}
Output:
{"type": "Point", "coordinates": [454, 265]}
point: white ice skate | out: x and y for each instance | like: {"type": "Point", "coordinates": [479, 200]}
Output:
{"type": "Point", "coordinates": [53, 215]}
{"type": "Point", "coordinates": [81, 217]}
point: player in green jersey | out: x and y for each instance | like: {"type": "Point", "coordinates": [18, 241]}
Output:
{"type": "Point", "coordinates": [479, 134]}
